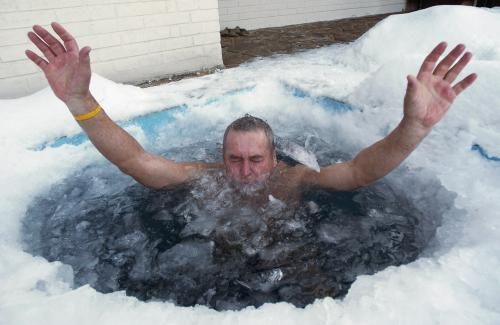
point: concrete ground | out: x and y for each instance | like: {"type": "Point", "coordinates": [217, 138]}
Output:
{"type": "Point", "coordinates": [288, 39]}
{"type": "Point", "coordinates": [268, 41]}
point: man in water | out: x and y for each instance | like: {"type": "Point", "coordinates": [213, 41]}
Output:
{"type": "Point", "coordinates": [248, 147]}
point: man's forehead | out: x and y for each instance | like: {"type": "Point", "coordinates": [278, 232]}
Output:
{"type": "Point", "coordinates": [251, 142]}
{"type": "Point", "coordinates": [256, 138]}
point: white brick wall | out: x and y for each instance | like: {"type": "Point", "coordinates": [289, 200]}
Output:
{"type": "Point", "coordinates": [131, 40]}
{"type": "Point", "coordinates": [254, 14]}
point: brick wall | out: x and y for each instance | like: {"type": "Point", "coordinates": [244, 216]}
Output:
{"type": "Point", "coordinates": [132, 40]}
{"type": "Point", "coordinates": [254, 14]}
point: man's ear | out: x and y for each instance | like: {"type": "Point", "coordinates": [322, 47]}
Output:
{"type": "Point", "coordinates": [275, 158]}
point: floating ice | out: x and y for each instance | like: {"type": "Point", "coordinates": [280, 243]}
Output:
{"type": "Point", "coordinates": [203, 244]}
{"type": "Point", "coordinates": [296, 152]}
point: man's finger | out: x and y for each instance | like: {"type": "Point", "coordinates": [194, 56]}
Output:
{"type": "Point", "coordinates": [445, 91]}
{"type": "Point", "coordinates": [431, 59]}
{"type": "Point", "coordinates": [44, 48]}
{"type": "Point", "coordinates": [443, 66]}
{"type": "Point", "coordinates": [51, 41]}
{"type": "Point", "coordinates": [68, 39]}
{"type": "Point", "coordinates": [84, 56]}
{"type": "Point", "coordinates": [412, 84]}
{"type": "Point", "coordinates": [36, 59]}
{"type": "Point", "coordinates": [465, 83]}
{"type": "Point", "coordinates": [458, 67]}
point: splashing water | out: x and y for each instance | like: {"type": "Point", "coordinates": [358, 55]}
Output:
{"type": "Point", "coordinates": [203, 244]}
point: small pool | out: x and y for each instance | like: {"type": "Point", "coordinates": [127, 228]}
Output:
{"type": "Point", "coordinates": [199, 245]}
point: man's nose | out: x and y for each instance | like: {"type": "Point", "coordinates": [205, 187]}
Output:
{"type": "Point", "coordinates": [245, 168]}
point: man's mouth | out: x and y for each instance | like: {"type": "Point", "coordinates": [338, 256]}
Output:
{"type": "Point", "coordinates": [249, 185]}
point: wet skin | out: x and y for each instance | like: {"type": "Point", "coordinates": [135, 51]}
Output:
{"type": "Point", "coordinates": [248, 157]}
{"type": "Point", "coordinates": [250, 162]}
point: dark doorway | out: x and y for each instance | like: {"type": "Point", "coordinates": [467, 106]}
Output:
{"type": "Point", "coordinates": [412, 5]}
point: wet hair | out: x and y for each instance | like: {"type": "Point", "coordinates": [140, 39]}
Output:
{"type": "Point", "coordinates": [250, 123]}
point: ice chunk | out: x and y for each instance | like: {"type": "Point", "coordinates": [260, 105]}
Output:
{"type": "Point", "coordinates": [186, 255]}
{"type": "Point", "coordinates": [297, 153]}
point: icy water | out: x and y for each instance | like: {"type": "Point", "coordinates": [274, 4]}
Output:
{"type": "Point", "coordinates": [201, 245]}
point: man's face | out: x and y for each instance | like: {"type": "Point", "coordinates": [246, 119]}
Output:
{"type": "Point", "coordinates": [248, 157]}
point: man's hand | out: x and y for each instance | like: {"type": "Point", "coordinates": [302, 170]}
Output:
{"type": "Point", "coordinates": [430, 94]}
{"type": "Point", "coordinates": [428, 97]}
{"type": "Point", "coordinates": [66, 68]}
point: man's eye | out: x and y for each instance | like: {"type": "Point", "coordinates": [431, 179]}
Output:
{"type": "Point", "coordinates": [256, 159]}
{"type": "Point", "coordinates": [235, 159]}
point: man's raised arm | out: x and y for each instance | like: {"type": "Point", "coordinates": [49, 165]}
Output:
{"type": "Point", "coordinates": [67, 69]}
{"type": "Point", "coordinates": [428, 97]}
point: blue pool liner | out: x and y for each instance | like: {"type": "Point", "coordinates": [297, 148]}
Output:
{"type": "Point", "coordinates": [484, 153]}
{"type": "Point", "coordinates": [327, 103]}
{"type": "Point", "coordinates": [149, 123]}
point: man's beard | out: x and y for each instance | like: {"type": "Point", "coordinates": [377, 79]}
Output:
{"type": "Point", "coordinates": [250, 189]}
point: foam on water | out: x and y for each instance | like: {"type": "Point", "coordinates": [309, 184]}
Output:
{"type": "Point", "coordinates": [457, 282]}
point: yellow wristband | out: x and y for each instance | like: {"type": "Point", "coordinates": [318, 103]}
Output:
{"type": "Point", "coordinates": [88, 115]}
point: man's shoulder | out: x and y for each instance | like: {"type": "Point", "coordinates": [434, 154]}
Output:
{"type": "Point", "coordinates": [290, 181]}
{"type": "Point", "coordinates": [294, 175]}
